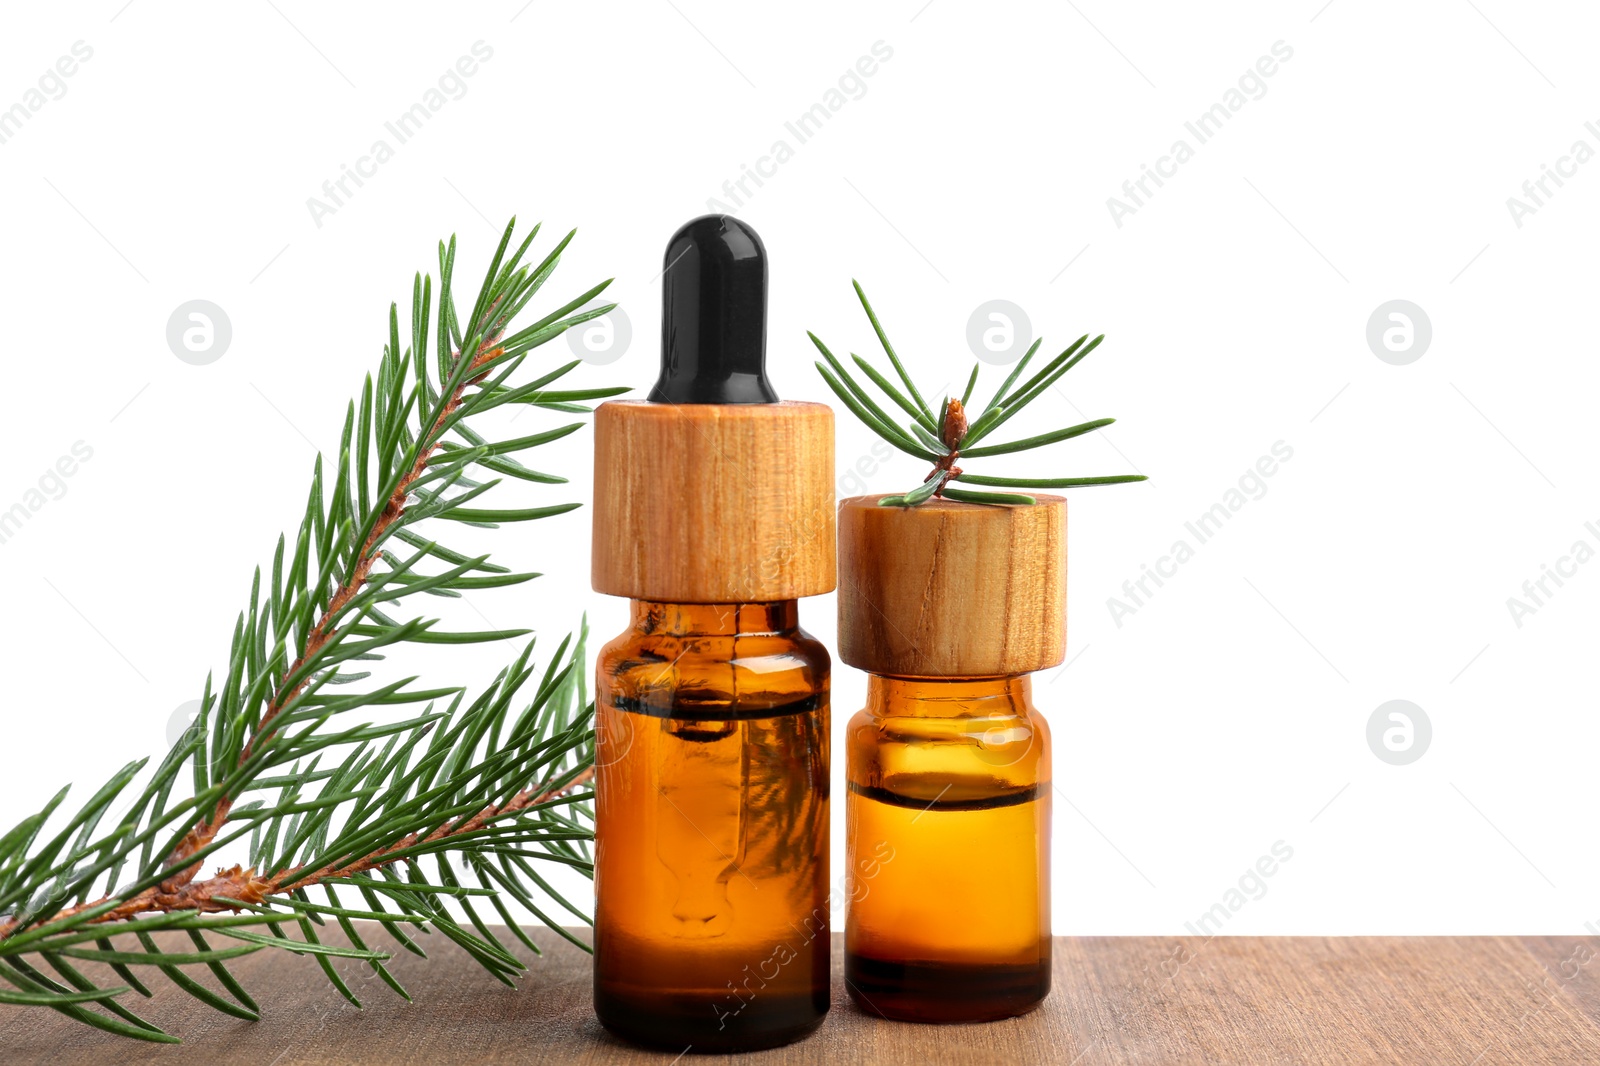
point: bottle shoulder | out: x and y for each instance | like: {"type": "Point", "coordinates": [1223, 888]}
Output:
{"type": "Point", "coordinates": [978, 746]}
{"type": "Point", "coordinates": [793, 649]}
{"type": "Point", "coordinates": [749, 670]}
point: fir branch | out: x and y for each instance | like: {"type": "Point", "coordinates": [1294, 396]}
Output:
{"type": "Point", "coordinates": [501, 778]}
{"type": "Point", "coordinates": [945, 440]}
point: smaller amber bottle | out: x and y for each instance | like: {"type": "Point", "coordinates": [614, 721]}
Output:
{"type": "Point", "coordinates": [949, 606]}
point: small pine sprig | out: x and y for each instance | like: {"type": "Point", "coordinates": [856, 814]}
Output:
{"type": "Point", "coordinates": [950, 435]}
{"type": "Point", "coordinates": [385, 821]}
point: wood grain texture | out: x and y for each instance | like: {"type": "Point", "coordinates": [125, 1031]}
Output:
{"type": "Point", "coordinates": [1451, 1001]}
{"type": "Point", "coordinates": [713, 503]}
{"type": "Point", "coordinates": [952, 589]}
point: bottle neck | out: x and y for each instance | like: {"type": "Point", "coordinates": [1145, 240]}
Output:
{"type": "Point", "coordinates": [651, 618]}
{"type": "Point", "coordinates": [949, 697]}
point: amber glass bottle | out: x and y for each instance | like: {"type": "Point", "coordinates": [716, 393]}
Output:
{"type": "Point", "coordinates": [949, 607]}
{"type": "Point", "coordinates": [948, 827]}
{"type": "Point", "coordinates": [712, 862]}
{"type": "Point", "coordinates": [713, 514]}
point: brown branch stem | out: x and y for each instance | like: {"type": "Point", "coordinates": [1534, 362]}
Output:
{"type": "Point", "coordinates": [954, 427]}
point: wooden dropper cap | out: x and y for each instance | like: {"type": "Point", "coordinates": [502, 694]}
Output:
{"type": "Point", "coordinates": [713, 491]}
{"type": "Point", "coordinates": [950, 589]}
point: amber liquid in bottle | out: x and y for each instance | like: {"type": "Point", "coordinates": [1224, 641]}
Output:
{"type": "Point", "coordinates": [948, 827]}
{"type": "Point", "coordinates": [711, 828]}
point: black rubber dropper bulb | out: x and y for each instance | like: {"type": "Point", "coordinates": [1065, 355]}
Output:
{"type": "Point", "coordinates": [714, 315]}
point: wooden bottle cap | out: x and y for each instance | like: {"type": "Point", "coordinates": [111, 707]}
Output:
{"type": "Point", "coordinates": [713, 503]}
{"type": "Point", "coordinates": [951, 589]}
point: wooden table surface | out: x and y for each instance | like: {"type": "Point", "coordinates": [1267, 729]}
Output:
{"type": "Point", "coordinates": [1413, 1000]}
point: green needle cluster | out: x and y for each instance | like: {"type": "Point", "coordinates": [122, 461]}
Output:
{"type": "Point", "coordinates": [947, 436]}
{"type": "Point", "coordinates": [462, 802]}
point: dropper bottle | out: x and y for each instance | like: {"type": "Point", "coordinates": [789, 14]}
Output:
{"type": "Point", "coordinates": [714, 514]}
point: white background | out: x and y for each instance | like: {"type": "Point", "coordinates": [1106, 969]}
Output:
{"type": "Point", "coordinates": [1228, 712]}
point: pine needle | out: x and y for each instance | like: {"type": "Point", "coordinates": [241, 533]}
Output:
{"type": "Point", "coordinates": [948, 438]}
